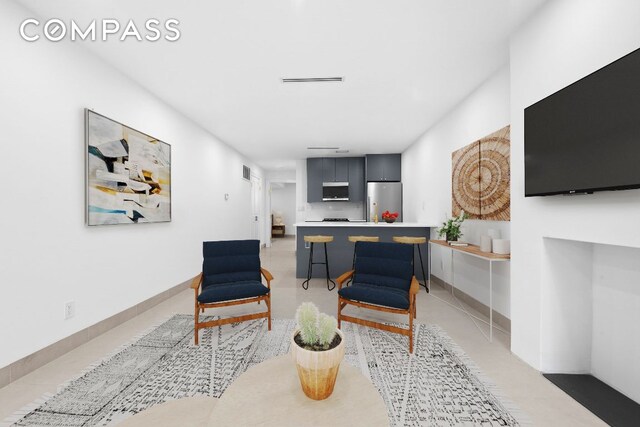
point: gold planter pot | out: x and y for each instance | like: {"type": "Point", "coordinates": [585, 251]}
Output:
{"type": "Point", "coordinates": [317, 370]}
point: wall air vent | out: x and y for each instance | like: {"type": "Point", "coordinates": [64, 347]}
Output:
{"type": "Point", "coordinates": [313, 80]}
{"type": "Point", "coordinates": [246, 172]}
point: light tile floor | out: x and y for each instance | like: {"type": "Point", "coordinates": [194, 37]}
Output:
{"type": "Point", "coordinates": [545, 404]}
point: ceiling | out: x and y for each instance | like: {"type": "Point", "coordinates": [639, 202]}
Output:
{"type": "Point", "coordinates": [406, 63]}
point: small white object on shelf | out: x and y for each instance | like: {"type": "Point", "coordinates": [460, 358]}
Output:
{"type": "Point", "coordinates": [485, 243]}
{"type": "Point", "coordinates": [493, 233]}
{"type": "Point", "coordinates": [501, 246]}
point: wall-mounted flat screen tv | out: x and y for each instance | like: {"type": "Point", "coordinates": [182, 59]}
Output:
{"type": "Point", "coordinates": [586, 137]}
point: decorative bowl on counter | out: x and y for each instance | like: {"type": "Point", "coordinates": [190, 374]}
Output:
{"type": "Point", "coordinates": [389, 217]}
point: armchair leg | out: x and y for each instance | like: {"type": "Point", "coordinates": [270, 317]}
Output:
{"type": "Point", "coordinates": [410, 333]}
{"type": "Point", "coordinates": [268, 301]}
{"type": "Point", "coordinates": [195, 323]}
{"type": "Point", "coordinates": [339, 309]}
{"type": "Point", "coordinates": [412, 315]}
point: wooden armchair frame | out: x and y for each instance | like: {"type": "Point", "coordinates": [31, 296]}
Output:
{"type": "Point", "coordinates": [196, 285]}
{"type": "Point", "coordinates": [411, 311]}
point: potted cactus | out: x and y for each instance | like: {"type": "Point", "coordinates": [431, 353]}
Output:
{"type": "Point", "coordinates": [317, 347]}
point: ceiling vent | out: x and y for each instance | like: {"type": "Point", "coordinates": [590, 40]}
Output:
{"type": "Point", "coordinates": [246, 172]}
{"type": "Point", "coordinates": [313, 80]}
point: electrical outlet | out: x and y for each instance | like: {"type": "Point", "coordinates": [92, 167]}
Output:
{"type": "Point", "coordinates": [69, 309]}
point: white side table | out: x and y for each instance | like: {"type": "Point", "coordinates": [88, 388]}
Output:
{"type": "Point", "coordinates": [474, 251]}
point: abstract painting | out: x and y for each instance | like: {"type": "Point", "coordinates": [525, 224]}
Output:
{"type": "Point", "coordinates": [128, 174]}
{"type": "Point", "coordinates": [481, 178]}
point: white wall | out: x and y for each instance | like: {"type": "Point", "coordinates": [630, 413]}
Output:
{"type": "Point", "coordinates": [301, 190]}
{"type": "Point", "coordinates": [283, 200]}
{"type": "Point", "coordinates": [563, 42]}
{"type": "Point", "coordinates": [426, 178]}
{"type": "Point", "coordinates": [321, 210]}
{"type": "Point", "coordinates": [47, 255]}
{"type": "Point", "coordinates": [615, 351]}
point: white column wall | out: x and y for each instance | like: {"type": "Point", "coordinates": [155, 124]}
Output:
{"type": "Point", "coordinates": [565, 41]}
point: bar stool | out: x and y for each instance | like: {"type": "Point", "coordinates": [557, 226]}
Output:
{"type": "Point", "coordinates": [312, 240]}
{"type": "Point", "coordinates": [416, 241]}
{"type": "Point", "coordinates": [355, 239]}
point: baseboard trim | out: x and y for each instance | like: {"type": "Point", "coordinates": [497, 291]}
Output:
{"type": "Point", "coordinates": [30, 363]}
{"type": "Point", "coordinates": [499, 319]}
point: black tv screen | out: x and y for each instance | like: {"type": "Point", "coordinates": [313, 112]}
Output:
{"type": "Point", "coordinates": [586, 137]}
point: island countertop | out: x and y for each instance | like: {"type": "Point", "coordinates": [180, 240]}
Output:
{"type": "Point", "coordinates": [363, 224]}
{"type": "Point", "coordinates": [340, 250]}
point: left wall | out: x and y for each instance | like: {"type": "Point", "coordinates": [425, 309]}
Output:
{"type": "Point", "coordinates": [48, 256]}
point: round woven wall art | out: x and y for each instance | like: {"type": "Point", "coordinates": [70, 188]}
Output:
{"type": "Point", "coordinates": [465, 184]}
{"type": "Point", "coordinates": [481, 178]}
{"type": "Point", "coordinates": [495, 176]}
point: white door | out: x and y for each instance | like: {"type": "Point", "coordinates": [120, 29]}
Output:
{"type": "Point", "coordinates": [256, 211]}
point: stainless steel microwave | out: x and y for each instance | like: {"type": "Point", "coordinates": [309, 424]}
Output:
{"type": "Point", "coordinates": [335, 191]}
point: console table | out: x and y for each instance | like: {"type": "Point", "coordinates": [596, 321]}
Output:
{"type": "Point", "coordinates": [474, 251]}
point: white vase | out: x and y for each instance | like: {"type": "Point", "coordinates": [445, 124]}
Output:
{"type": "Point", "coordinates": [501, 246]}
{"type": "Point", "coordinates": [485, 243]}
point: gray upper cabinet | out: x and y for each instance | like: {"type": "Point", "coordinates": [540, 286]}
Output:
{"type": "Point", "coordinates": [342, 169]}
{"type": "Point", "coordinates": [328, 170]}
{"type": "Point", "coordinates": [314, 180]}
{"type": "Point", "coordinates": [335, 169]}
{"type": "Point", "coordinates": [356, 179]}
{"type": "Point", "coordinates": [384, 167]}
{"type": "Point", "coordinates": [375, 170]}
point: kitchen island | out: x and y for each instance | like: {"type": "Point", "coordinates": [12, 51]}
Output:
{"type": "Point", "coordinates": [340, 251]}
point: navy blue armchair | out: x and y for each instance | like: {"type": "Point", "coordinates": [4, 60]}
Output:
{"type": "Point", "coordinates": [382, 280]}
{"type": "Point", "coordinates": [231, 275]}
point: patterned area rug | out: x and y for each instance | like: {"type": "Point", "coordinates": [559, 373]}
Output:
{"type": "Point", "coordinates": [438, 386]}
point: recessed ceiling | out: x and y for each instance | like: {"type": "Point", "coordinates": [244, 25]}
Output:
{"type": "Point", "coordinates": [405, 64]}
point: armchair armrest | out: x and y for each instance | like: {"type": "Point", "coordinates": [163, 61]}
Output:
{"type": "Point", "coordinates": [415, 286]}
{"type": "Point", "coordinates": [344, 277]}
{"type": "Point", "coordinates": [267, 275]}
{"type": "Point", "coordinates": [196, 282]}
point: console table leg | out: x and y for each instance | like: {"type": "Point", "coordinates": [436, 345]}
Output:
{"type": "Point", "coordinates": [490, 301]}
{"type": "Point", "coordinates": [452, 282]}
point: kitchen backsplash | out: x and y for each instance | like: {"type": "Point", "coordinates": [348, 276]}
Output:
{"type": "Point", "coordinates": [320, 211]}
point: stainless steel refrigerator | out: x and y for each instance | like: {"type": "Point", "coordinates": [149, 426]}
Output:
{"type": "Point", "coordinates": [387, 196]}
